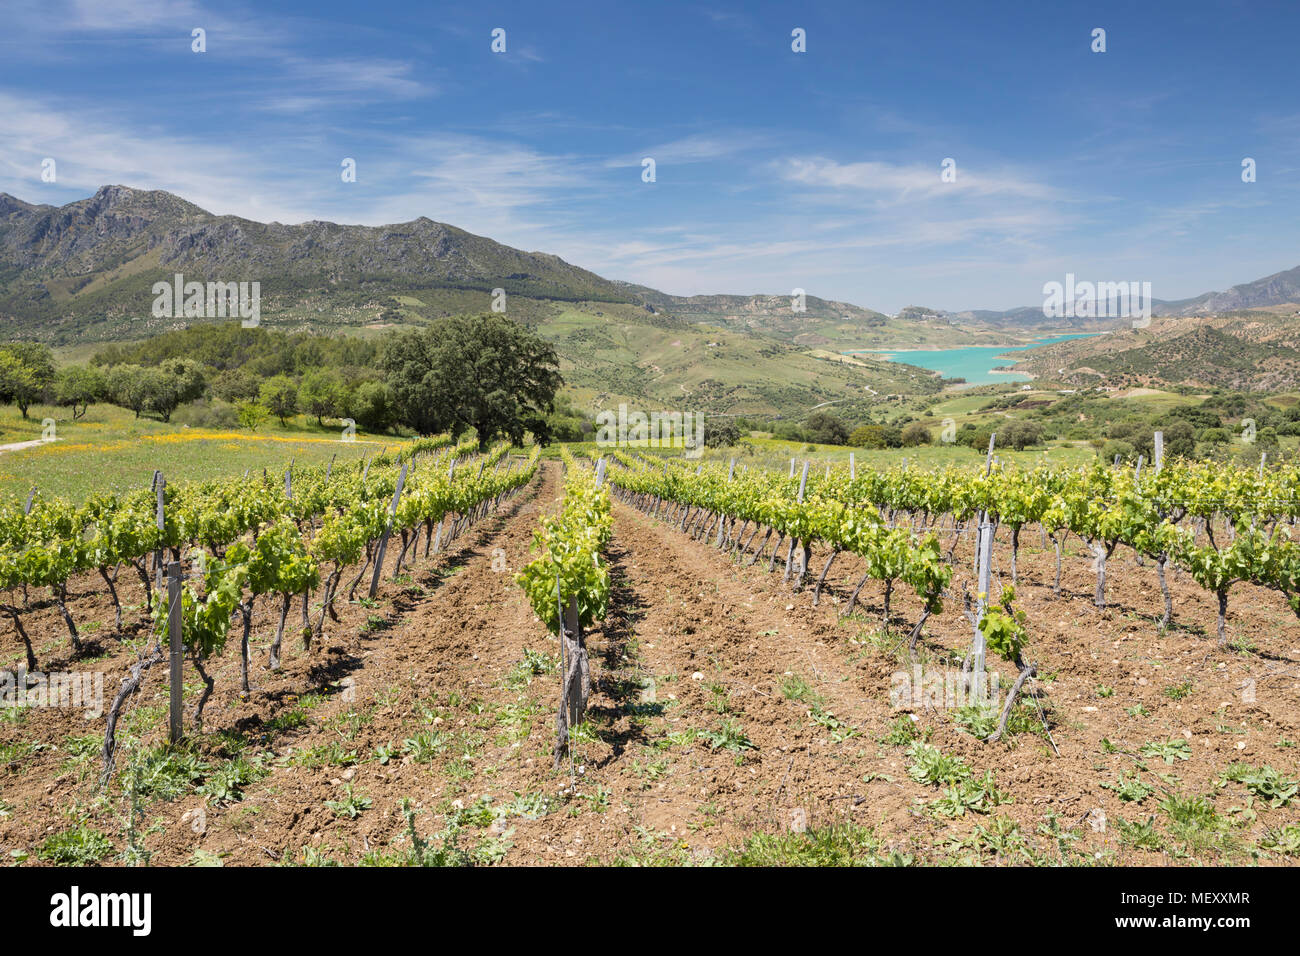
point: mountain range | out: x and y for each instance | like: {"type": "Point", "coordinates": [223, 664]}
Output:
{"type": "Point", "coordinates": [1279, 289]}
{"type": "Point", "coordinates": [83, 272]}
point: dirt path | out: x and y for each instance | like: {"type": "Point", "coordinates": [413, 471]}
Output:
{"type": "Point", "coordinates": [20, 445]}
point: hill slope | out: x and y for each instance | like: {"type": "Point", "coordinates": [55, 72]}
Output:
{"type": "Point", "coordinates": [1247, 350]}
{"type": "Point", "coordinates": [84, 270]}
{"type": "Point", "coordinates": [1281, 288]}
{"type": "Point", "coordinates": [824, 323]}
{"type": "Point", "coordinates": [84, 273]}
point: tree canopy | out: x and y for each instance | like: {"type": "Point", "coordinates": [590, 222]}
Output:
{"type": "Point", "coordinates": [484, 372]}
{"type": "Point", "coordinates": [26, 372]}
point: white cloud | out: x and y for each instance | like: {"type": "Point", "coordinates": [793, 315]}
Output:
{"type": "Point", "coordinates": [892, 181]}
{"type": "Point", "coordinates": [698, 148]}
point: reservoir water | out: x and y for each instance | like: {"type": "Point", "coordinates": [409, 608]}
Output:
{"type": "Point", "coordinates": [974, 363]}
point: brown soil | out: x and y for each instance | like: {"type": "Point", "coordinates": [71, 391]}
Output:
{"type": "Point", "coordinates": [694, 641]}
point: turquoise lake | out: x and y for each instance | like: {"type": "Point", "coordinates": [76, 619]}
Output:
{"type": "Point", "coordinates": [973, 363]}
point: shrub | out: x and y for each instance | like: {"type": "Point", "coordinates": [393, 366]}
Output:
{"type": "Point", "coordinates": [916, 434]}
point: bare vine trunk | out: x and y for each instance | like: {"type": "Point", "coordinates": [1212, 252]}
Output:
{"type": "Point", "coordinates": [279, 632]}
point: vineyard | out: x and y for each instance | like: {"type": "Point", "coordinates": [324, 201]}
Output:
{"type": "Point", "coordinates": [1222, 526]}
{"type": "Point", "coordinates": [635, 659]}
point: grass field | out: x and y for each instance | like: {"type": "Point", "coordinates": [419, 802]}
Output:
{"type": "Point", "coordinates": [111, 450]}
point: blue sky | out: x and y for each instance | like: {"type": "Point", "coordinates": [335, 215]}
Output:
{"type": "Point", "coordinates": [774, 169]}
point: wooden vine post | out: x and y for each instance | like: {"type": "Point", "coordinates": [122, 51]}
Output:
{"type": "Point", "coordinates": [789, 551]}
{"type": "Point", "coordinates": [388, 530]}
{"type": "Point", "coordinates": [159, 483]}
{"type": "Point", "coordinates": [983, 576]}
{"type": "Point", "coordinates": [722, 519]}
{"type": "Point", "coordinates": [176, 649]}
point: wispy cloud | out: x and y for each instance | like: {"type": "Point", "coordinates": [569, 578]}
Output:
{"type": "Point", "coordinates": [699, 148]}
{"type": "Point", "coordinates": [891, 181]}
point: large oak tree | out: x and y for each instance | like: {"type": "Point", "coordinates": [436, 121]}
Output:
{"type": "Point", "coordinates": [484, 372]}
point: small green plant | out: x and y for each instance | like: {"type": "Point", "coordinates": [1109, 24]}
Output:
{"type": "Point", "coordinates": [1265, 782]}
{"type": "Point", "coordinates": [978, 795]}
{"type": "Point", "coordinates": [534, 664]}
{"type": "Point", "coordinates": [683, 738]}
{"type": "Point", "coordinates": [599, 801]}
{"type": "Point", "coordinates": [1001, 839]}
{"type": "Point", "coordinates": [838, 845]}
{"type": "Point", "coordinates": [1169, 750]}
{"type": "Point", "coordinates": [135, 853]}
{"type": "Point", "coordinates": [227, 784]}
{"type": "Point", "coordinates": [166, 772]}
{"type": "Point", "coordinates": [1129, 789]}
{"type": "Point", "coordinates": [80, 846]}
{"type": "Point", "coordinates": [331, 754]}
{"type": "Point", "coordinates": [351, 805]}
{"type": "Point", "coordinates": [797, 688]}
{"type": "Point", "coordinates": [1284, 840]}
{"type": "Point", "coordinates": [1141, 834]}
{"type": "Point", "coordinates": [840, 731]}
{"type": "Point", "coordinates": [425, 746]}
{"type": "Point", "coordinates": [729, 736]}
{"type": "Point", "coordinates": [423, 853]}
{"type": "Point", "coordinates": [1190, 813]}
{"type": "Point", "coordinates": [312, 856]}
{"type": "Point", "coordinates": [1178, 691]}
{"type": "Point", "coordinates": [933, 767]}
{"type": "Point", "coordinates": [901, 732]}
{"type": "Point", "coordinates": [291, 719]}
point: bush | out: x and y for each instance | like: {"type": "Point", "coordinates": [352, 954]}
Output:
{"type": "Point", "coordinates": [876, 436]}
{"type": "Point", "coordinates": [252, 414]}
{"type": "Point", "coordinates": [788, 431]}
{"type": "Point", "coordinates": [720, 434]}
{"type": "Point", "coordinates": [216, 414]}
{"type": "Point", "coordinates": [1115, 447]}
{"type": "Point", "coordinates": [916, 434]}
{"type": "Point", "coordinates": [1019, 435]}
{"type": "Point", "coordinates": [975, 438]}
{"type": "Point", "coordinates": [370, 405]}
{"type": "Point", "coordinates": [825, 429]}
{"type": "Point", "coordinates": [236, 385]}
